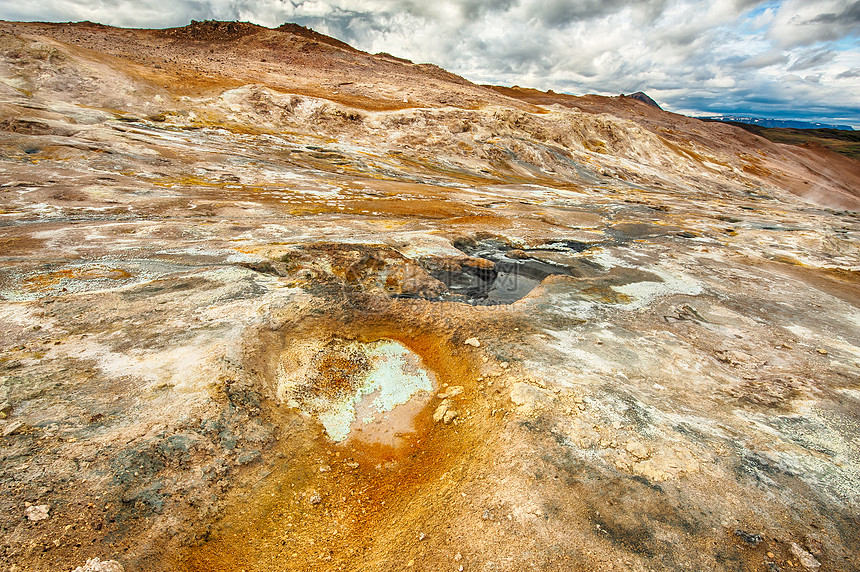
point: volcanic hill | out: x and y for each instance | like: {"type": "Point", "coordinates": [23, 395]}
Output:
{"type": "Point", "coordinates": [269, 302]}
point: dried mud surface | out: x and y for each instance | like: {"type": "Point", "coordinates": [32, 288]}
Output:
{"type": "Point", "coordinates": [642, 330]}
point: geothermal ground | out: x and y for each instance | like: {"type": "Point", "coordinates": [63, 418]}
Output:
{"type": "Point", "coordinates": [271, 303]}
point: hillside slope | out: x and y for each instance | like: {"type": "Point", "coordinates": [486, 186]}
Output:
{"type": "Point", "coordinates": [268, 302]}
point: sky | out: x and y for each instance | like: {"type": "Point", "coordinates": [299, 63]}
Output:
{"type": "Point", "coordinates": [785, 59]}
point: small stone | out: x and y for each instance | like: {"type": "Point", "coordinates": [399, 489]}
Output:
{"type": "Point", "coordinates": [452, 391]}
{"type": "Point", "coordinates": [12, 427]}
{"type": "Point", "coordinates": [440, 412]}
{"type": "Point", "coordinates": [473, 342]}
{"type": "Point", "coordinates": [814, 546]}
{"type": "Point", "coordinates": [37, 512]}
{"type": "Point", "coordinates": [749, 538]}
{"type": "Point", "coordinates": [352, 465]}
{"type": "Point", "coordinates": [96, 565]}
{"type": "Point", "coordinates": [822, 351]}
{"type": "Point", "coordinates": [637, 449]}
{"type": "Point", "coordinates": [325, 469]}
{"type": "Point", "coordinates": [450, 416]}
{"type": "Point", "coordinates": [806, 559]}
{"type": "Point", "coordinates": [458, 557]}
{"type": "Point", "coordinates": [248, 456]}
{"type": "Point", "coordinates": [5, 409]}
{"type": "Point", "coordinates": [421, 536]}
{"type": "Point", "coordinates": [504, 365]}
{"type": "Point", "coordinates": [315, 499]}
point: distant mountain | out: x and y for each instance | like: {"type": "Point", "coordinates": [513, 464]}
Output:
{"type": "Point", "coordinates": [785, 123]}
{"type": "Point", "coordinates": [643, 98]}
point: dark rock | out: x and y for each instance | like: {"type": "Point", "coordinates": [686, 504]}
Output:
{"type": "Point", "coordinates": [248, 456]}
{"type": "Point", "coordinates": [749, 538]}
{"type": "Point", "coordinates": [640, 96]}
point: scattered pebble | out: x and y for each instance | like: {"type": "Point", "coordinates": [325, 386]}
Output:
{"type": "Point", "coordinates": [473, 342]}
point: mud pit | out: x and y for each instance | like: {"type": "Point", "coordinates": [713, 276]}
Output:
{"type": "Point", "coordinates": [591, 335]}
{"type": "Point", "coordinates": [339, 480]}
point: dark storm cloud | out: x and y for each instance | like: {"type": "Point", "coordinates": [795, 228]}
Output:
{"type": "Point", "coordinates": [851, 15]}
{"type": "Point", "coordinates": [690, 55]}
{"type": "Point", "coordinates": [852, 73]}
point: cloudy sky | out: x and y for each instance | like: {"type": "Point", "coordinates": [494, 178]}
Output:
{"type": "Point", "coordinates": [778, 58]}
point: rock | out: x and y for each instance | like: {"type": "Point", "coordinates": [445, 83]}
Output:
{"type": "Point", "coordinates": [12, 428]}
{"type": "Point", "coordinates": [806, 559]}
{"type": "Point", "coordinates": [449, 416]}
{"type": "Point", "coordinates": [452, 391]}
{"type": "Point", "coordinates": [439, 414]}
{"type": "Point", "coordinates": [5, 409]}
{"type": "Point", "coordinates": [528, 398]}
{"type": "Point", "coordinates": [97, 565]}
{"type": "Point", "coordinates": [814, 546]}
{"type": "Point", "coordinates": [749, 538]}
{"type": "Point", "coordinates": [248, 456]}
{"type": "Point", "coordinates": [637, 449]}
{"type": "Point", "coordinates": [37, 512]}
{"type": "Point", "coordinates": [315, 498]}
{"type": "Point", "coordinates": [473, 342]}
{"type": "Point", "coordinates": [479, 263]}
